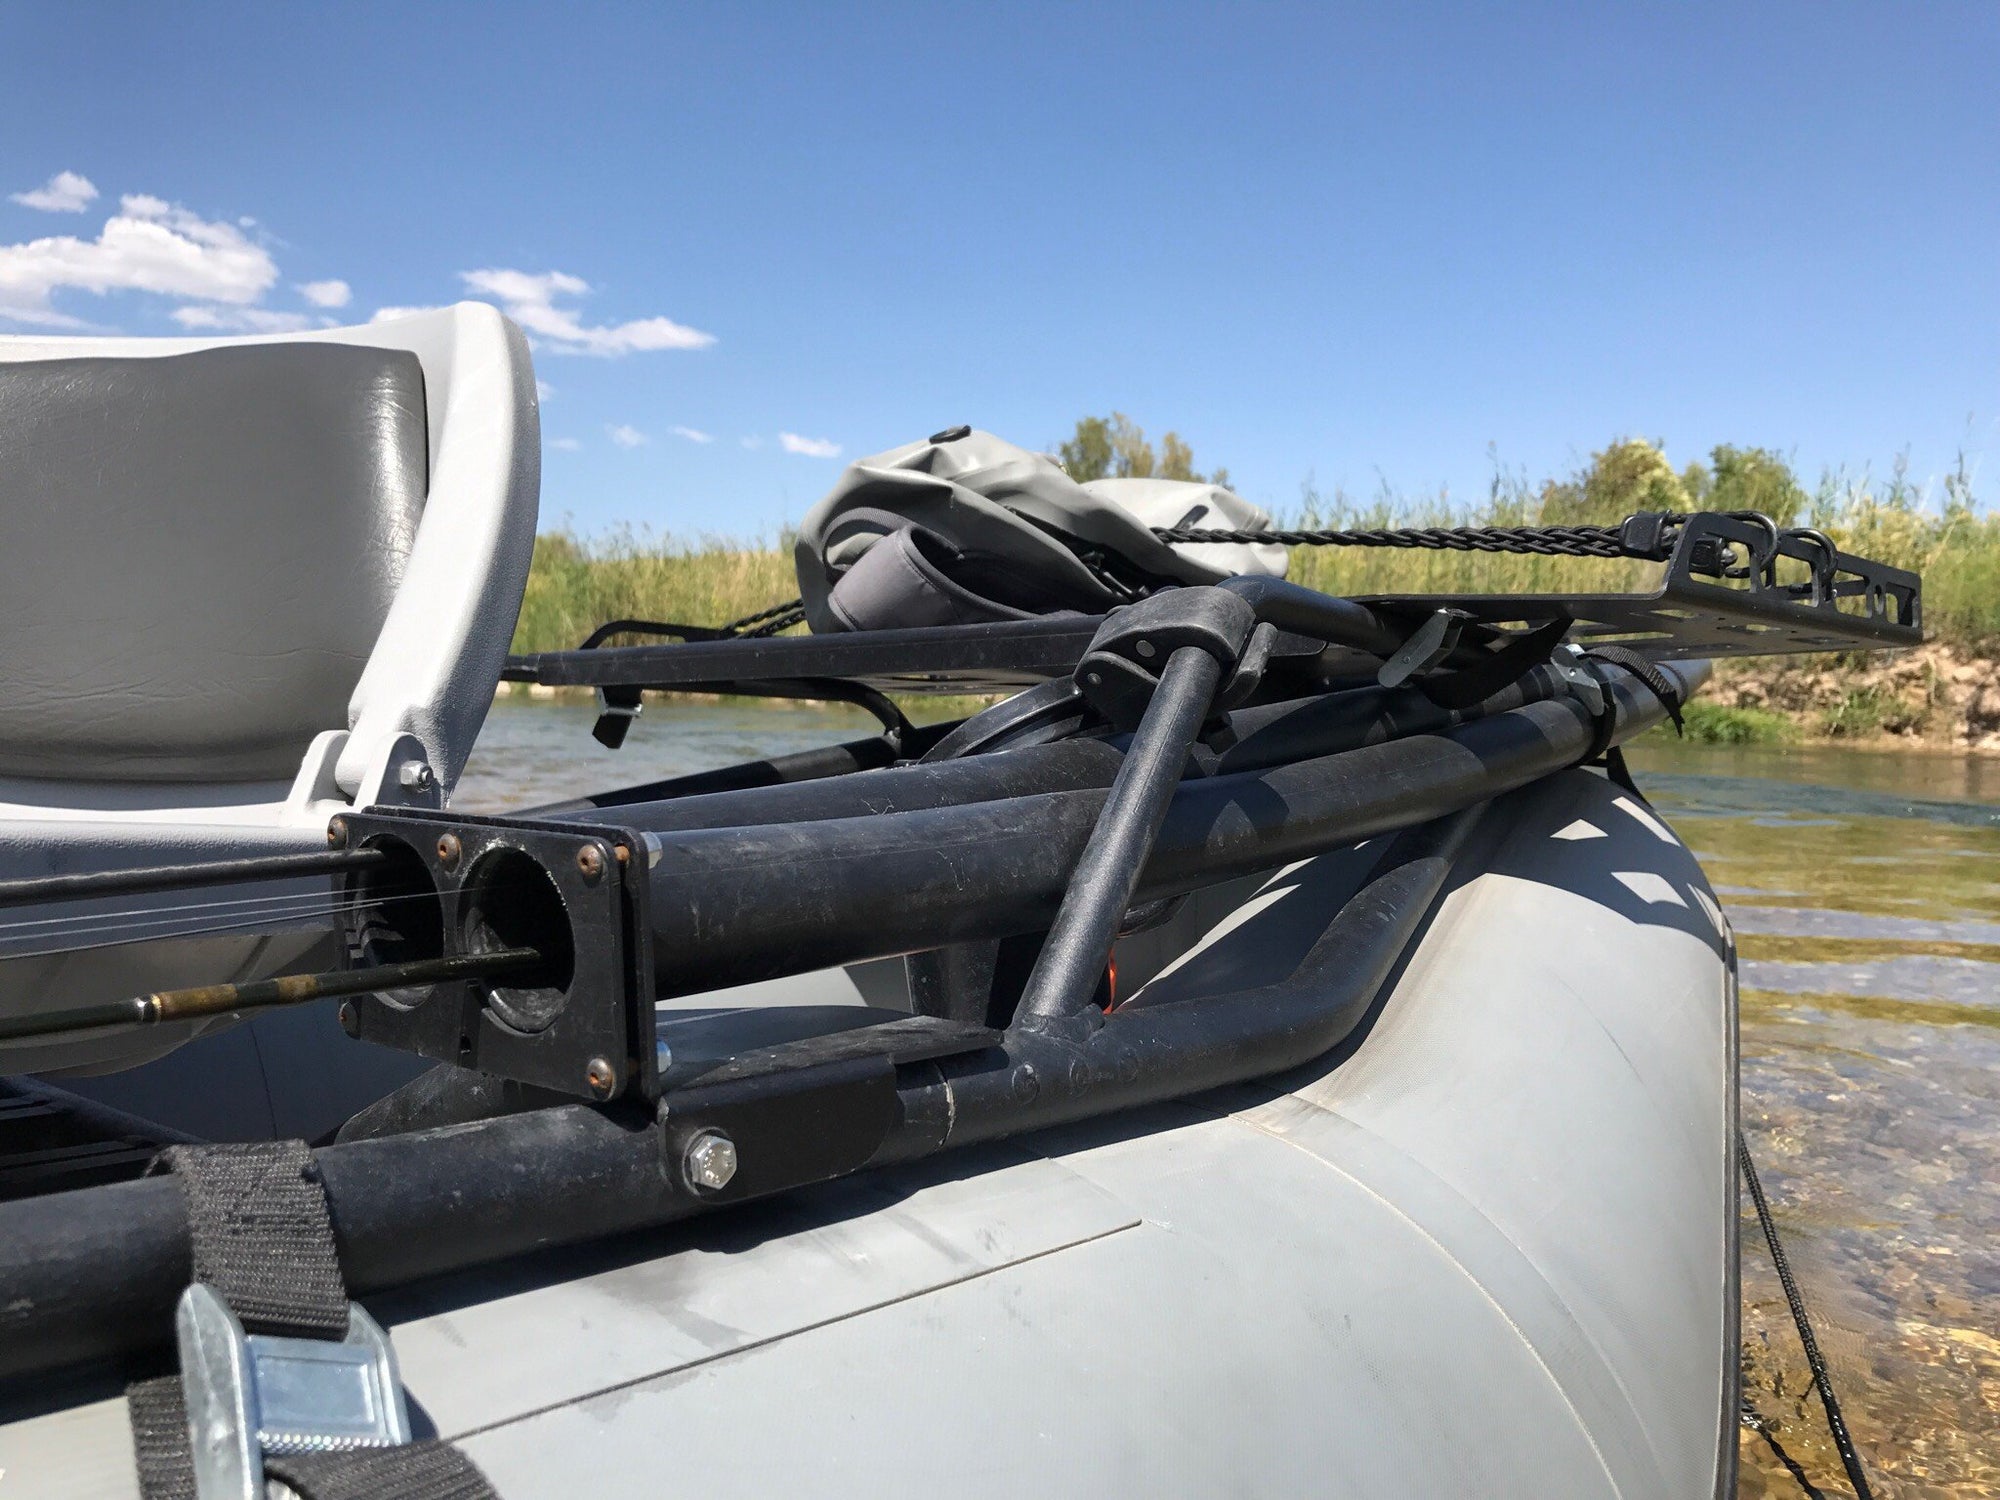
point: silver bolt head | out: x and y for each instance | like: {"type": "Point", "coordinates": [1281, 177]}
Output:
{"type": "Point", "coordinates": [416, 776]}
{"type": "Point", "coordinates": [710, 1161]}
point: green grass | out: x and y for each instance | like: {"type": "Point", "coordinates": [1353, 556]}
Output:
{"type": "Point", "coordinates": [1713, 724]}
{"type": "Point", "coordinates": [577, 584]}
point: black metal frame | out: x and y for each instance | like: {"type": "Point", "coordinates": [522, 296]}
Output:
{"type": "Point", "coordinates": [1725, 592]}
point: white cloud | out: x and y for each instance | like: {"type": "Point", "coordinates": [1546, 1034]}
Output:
{"type": "Point", "coordinates": [568, 445]}
{"type": "Point", "coordinates": [626, 436]}
{"type": "Point", "coordinates": [326, 293]}
{"type": "Point", "coordinates": [64, 193]}
{"type": "Point", "coordinates": [791, 442]}
{"type": "Point", "coordinates": [150, 245]}
{"type": "Point", "coordinates": [385, 314]}
{"type": "Point", "coordinates": [692, 434]}
{"type": "Point", "coordinates": [753, 443]}
{"type": "Point", "coordinates": [241, 319]}
{"type": "Point", "coordinates": [543, 390]}
{"type": "Point", "coordinates": [530, 300]}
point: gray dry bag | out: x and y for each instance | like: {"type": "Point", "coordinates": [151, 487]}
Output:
{"type": "Point", "coordinates": [965, 527]}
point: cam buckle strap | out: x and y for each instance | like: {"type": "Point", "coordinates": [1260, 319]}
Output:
{"type": "Point", "coordinates": [281, 1375]}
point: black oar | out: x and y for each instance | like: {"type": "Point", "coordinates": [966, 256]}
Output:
{"type": "Point", "coordinates": [287, 989]}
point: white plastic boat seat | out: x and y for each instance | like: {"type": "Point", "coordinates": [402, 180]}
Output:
{"type": "Point", "coordinates": [199, 552]}
{"type": "Point", "coordinates": [245, 584]}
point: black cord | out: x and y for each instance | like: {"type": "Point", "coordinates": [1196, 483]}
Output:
{"type": "Point", "coordinates": [1751, 1419]}
{"type": "Point", "coordinates": [1836, 1424]}
{"type": "Point", "coordinates": [1547, 541]}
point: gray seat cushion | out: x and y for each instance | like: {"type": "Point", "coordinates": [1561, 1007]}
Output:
{"type": "Point", "coordinates": [197, 552]}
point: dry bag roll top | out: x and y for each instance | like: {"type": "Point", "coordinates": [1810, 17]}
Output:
{"type": "Point", "coordinates": [964, 527]}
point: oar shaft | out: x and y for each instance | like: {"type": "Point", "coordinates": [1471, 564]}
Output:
{"type": "Point", "coordinates": [286, 989]}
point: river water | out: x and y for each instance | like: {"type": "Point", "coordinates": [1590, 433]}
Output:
{"type": "Point", "coordinates": [1865, 893]}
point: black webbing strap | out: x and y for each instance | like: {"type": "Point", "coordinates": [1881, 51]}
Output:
{"type": "Point", "coordinates": [430, 1470]}
{"type": "Point", "coordinates": [160, 1438]}
{"type": "Point", "coordinates": [261, 1237]}
{"type": "Point", "coordinates": [1648, 672]}
{"type": "Point", "coordinates": [258, 1224]}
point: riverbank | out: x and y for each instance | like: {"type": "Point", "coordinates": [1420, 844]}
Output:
{"type": "Point", "coordinates": [1936, 696]}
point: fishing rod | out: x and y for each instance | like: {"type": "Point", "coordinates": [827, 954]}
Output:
{"type": "Point", "coordinates": [287, 989]}
{"type": "Point", "coordinates": [80, 887]}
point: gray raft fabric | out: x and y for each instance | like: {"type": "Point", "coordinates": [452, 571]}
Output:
{"type": "Point", "coordinates": [261, 1236]}
{"type": "Point", "coordinates": [199, 552]}
{"type": "Point", "coordinates": [1003, 533]}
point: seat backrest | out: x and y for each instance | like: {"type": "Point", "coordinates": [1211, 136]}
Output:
{"type": "Point", "coordinates": [197, 553]}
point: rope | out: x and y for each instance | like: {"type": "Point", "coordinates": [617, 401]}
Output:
{"type": "Point", "coordinates": [1545, 541]}
{"type": "Point", "coordinates": [1542, 541]}
{"type": "Point", "coordinates": [768, 621]}
{"type": "Point", "coordinates": [1835, 1423]}
{"type": "Point", "coordinates": [1752, 1419]}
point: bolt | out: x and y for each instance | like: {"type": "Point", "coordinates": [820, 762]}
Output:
{"type": "Point", "coordinates": [448, 851]}
{"type": "Point", "coordinates": [709, 1161]}
{"type": "Point", "coordinates": [336, 833]}
{"type": "Point", "coordinates": [590, 860]}
{"type": "Point", "coordinates": [663, 1055]}
{"type": "Point", "coordinates": [601, 1077]}
{"type": "Point", "coordinates": [1094, 679]}
{"type": "Point", "coordinates": [1145, 649]}
{"type": "Point", "coordinates": [415, 776]}
{"type": "Point", "coordinates": [350, 1018]}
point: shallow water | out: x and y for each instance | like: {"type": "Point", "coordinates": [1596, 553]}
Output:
{"type": "Point", "coordinates": [1865, 892]}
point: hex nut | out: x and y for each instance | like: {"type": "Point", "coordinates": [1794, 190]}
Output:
{"type": "Point", "coordinates": [709, 1161]}
{"type": "Point", "coordinates": [415, 776]}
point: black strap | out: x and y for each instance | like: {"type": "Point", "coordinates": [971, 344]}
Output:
{"type": "Point", "coordinates": [1648, 672]}
{"type": "Point", "coordinates": [160, 1438]}
{"type": "Point", "coordinates": [258, 1224]}
{"type": "Point", "coordinates": [261, 1236]}
{"type": "Point", "coordinates": [430, 1470]}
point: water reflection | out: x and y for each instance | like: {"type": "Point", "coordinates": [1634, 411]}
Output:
{"type": "Point", "coordinates": [1867, 906]}
{"type": "Point", "coordinates": [1865, 892]}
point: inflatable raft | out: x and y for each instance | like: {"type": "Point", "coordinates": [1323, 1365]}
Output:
{"type": "Point", "coordinates": [1274, 1051]}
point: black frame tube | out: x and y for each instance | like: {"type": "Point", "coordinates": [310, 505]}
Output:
{"type": "Point", "coordinates": [1099, 891]}
{"type": "Point", "coordinates": [734, 905]}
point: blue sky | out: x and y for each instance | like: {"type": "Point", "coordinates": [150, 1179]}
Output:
{"type": "Point", "coordinates": [1356, 244]}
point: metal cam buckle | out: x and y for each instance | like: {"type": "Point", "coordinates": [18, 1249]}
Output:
{"type": "Point", "coordinates": [249, 1395]}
